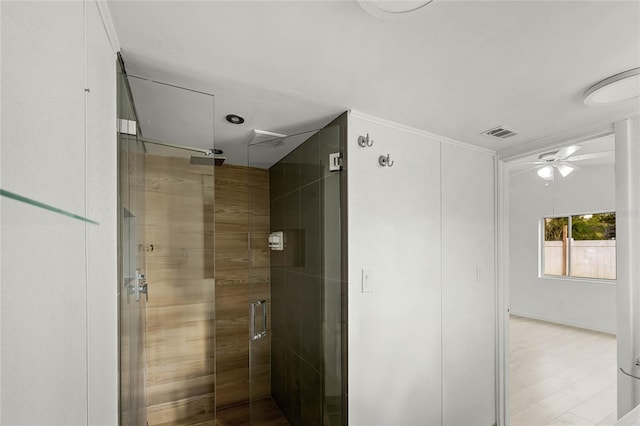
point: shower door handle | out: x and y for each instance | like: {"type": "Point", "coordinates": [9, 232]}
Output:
{"type": "Point", "coordinates": [255, 334]}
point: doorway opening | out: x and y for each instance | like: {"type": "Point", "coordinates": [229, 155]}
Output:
{"type": "Point", "coordinates": [562, 294]}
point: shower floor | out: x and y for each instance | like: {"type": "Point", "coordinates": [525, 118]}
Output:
{"type": "Point", "coordinates": [268, 414]}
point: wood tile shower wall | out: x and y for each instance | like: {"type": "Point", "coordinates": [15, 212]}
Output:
{"type": "Point", "coordinates": [190, 316]}
{"type": "Point", "coordinates": [180, 312]}
{"type": "Point", "coordinates": [242, 203]}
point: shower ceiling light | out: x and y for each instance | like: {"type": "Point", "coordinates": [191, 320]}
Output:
{"type": "Point", "coordinates": [234, 119]}
{"type": "Point", "coordinates": [617, 88]}
{"type": "Point", "coordinates": [388, 9]}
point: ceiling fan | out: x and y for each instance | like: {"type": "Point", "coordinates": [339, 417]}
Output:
{"type": "Point", "coordinates": [563, 161]}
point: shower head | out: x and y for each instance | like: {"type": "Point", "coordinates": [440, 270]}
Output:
{"type": "Point", "coordinates": [211, 158]}
{"type": "Point", "coordinates": [207, 161]}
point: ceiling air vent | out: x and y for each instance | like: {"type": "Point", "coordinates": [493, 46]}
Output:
{"type": "Point", "coordinates": [499, 132]}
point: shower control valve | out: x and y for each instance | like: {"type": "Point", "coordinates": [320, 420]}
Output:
{"type": "Point", "coordinates": [144, 289]}
{"type": "Point", "coordinates": [140, 285]}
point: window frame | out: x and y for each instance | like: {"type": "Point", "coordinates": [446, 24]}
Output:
{"type": "Point", "coordinates": [541, 247]}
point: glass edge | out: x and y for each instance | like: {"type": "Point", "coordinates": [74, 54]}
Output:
{"type": "Point", "coordinates": [35, 203]}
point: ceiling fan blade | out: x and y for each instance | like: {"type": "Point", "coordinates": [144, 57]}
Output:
{"type": "Point", "coordinates": [528, 163]}
{"type": "Point", "coordinates": [565, 152]}
{"type": "Point", "coordinates": [520, 172]}
{"type": "Point", "coordinates": [602, 154]}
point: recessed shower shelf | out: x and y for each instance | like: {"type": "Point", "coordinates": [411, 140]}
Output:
{"type": "Point", "coordinates": [35, 203]}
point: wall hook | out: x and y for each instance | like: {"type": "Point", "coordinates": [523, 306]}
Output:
{"type": "Point", "coordinates": [365, 141]}
{"type": "Point", "coordinates": [385, 160]}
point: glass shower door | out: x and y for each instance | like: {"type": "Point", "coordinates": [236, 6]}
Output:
{"type": "Point", "coordinates": [262, 409]}
{"type": "Point", "coordinates": [296, 285]}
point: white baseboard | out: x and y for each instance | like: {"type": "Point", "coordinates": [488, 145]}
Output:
{"type": "Point", "coordinates": [556, 321]}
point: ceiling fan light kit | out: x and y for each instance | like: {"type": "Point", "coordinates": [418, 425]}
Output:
{"type": "Point", "coordinates": [556, 160]}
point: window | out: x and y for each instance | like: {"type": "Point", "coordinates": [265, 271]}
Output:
{"type": "Point", "coordinates": [582, 246]}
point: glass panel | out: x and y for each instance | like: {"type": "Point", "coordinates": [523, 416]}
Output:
{"type": "Point", "coordinates": [333, 309]}
{"type": "Point", "coordinates": [296, 369]}
{"type": "Point", "coordinates": [137, 300]}
{"type": "Point", "coordinates": [593, 246]}
{"type": "Point", "coordinates": [334, 286]}
{"type": "Point", "coordinates": [177, 236]}
{"type": "Point", "coordinates": [35, 203]}
{"type": "Point", "coordinates": [132, 265]}
{"type": "Point", "coordinates": [555, 245]}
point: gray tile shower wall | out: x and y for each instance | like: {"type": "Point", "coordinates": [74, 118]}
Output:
{"type": "Point", "coordinates": [306, 284]}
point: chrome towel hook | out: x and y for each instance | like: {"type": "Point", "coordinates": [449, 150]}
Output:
{"type": "Point", "coordinates": [385, 160]}
{"type": "Point", "coordinates": [365, 141]}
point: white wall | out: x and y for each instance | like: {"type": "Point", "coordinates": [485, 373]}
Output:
{"type": "Point", "coordinates": [583, 303]}
{"type": "Point", "coordinates": [58, 296]}
{"type": "Point", "coordinates": [396, 369]}
{"type": "Point", "coordinates": [102, 322]}
{"type": "Point", "coordinates": [468, 287]}
{"type": "Point", "coordinates": [394, 231]}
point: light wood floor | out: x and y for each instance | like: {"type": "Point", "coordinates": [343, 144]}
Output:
{"type": "Point", "coordinates": [561, 375]}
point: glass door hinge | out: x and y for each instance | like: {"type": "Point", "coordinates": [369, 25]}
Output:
{"type": "Point", "coordinates": [335, 162]}
{"type": "Point", "coordinates": [127, 127]}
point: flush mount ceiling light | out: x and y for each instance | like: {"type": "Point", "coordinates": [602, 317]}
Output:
{"type": "Point", "coordinates": [617, 88]}
{"type": "Point", "coordinates": [234, 119]}
{"type": "Point", "coordinates": [390, 9]}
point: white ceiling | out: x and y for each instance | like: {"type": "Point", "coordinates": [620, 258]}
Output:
{"type": "Point", "coordinates": [456, 69]}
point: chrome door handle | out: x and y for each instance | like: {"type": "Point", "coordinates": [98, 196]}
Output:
{"type": "Point", "coordinates": [264, 318]}
{"type": "Point", "coordinates": [255, 335]}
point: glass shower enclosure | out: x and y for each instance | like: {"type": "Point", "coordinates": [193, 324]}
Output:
{"type": "Point", "coordinates": [218, 324]}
